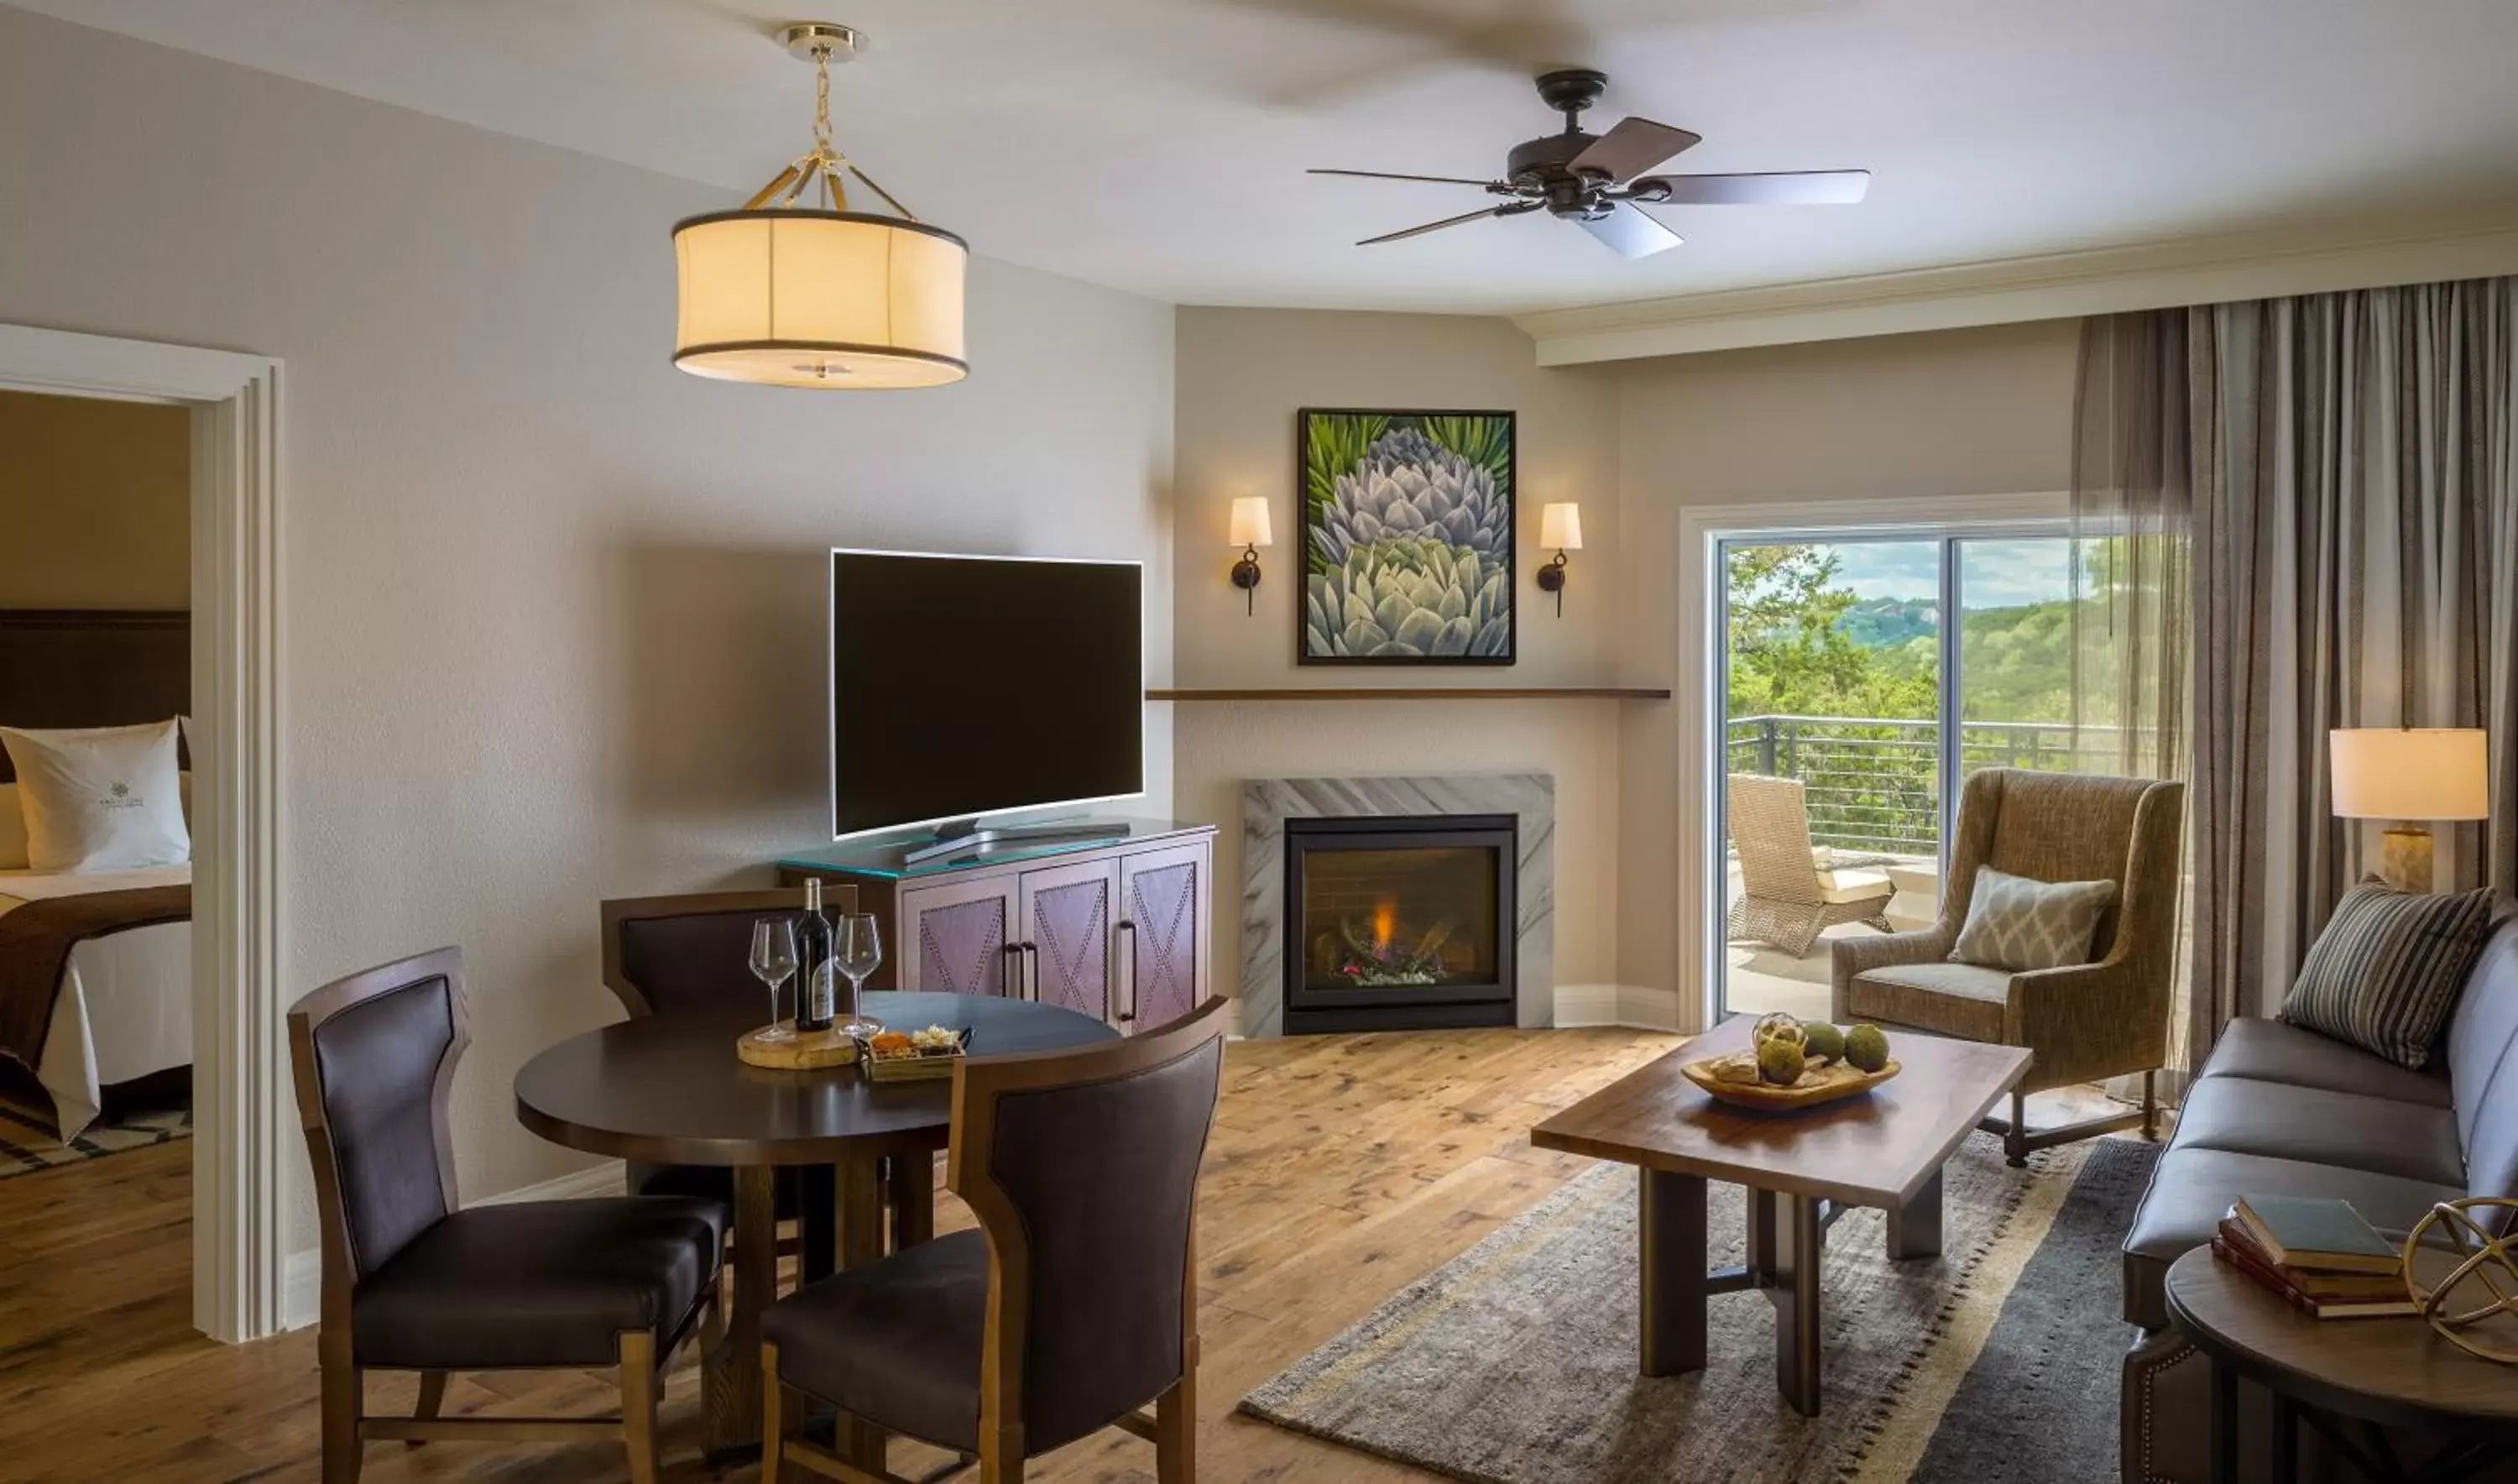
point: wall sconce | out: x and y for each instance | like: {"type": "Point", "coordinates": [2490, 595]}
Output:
{"type": "Point", "coordinates": [1559, 526]}
{"type": "Point", "coordinates": [1249, 533]}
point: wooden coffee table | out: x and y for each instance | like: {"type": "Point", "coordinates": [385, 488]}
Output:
{"type": "Point", "coordinates": [1884, 1147]}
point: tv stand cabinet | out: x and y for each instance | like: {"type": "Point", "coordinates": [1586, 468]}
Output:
{"type": "Point", "coordinates": [1116, 927]}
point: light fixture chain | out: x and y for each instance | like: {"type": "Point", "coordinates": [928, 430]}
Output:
{"type": "Point", "coordinates": [822, 98]}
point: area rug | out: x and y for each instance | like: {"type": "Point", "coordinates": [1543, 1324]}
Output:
{"type": "Point", "coordinates": [28, 1144]}
{"type": "Point", "coordinates": [1515, 1361]}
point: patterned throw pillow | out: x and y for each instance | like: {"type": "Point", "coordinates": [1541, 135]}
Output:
{"type": "Point", "coordinates": [2019, 923]}
{"type": "Point", "coordinates": [2385, 973]}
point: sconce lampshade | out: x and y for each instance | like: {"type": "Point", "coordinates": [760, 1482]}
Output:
{"type": "Point", "coordinates": [836, 299]}
{"type": "Point", "coordinates": [2417, 772]}
{"type": "Point", "coordinates": [1561, 526]}
{"type": "Point", "coordinates": [1250, 521]}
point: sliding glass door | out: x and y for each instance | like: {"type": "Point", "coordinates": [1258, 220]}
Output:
{"type": "Point", "coordinates": [1852, 709]}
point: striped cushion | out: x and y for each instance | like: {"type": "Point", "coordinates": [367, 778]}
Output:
{"type": "Point", "coordinates": [2386, 970]}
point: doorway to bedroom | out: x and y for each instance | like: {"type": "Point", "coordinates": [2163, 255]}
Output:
{"type": "Point", "coordinates": [96, 933]}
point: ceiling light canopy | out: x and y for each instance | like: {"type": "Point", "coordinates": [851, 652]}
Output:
{"type": "Point", "coordinates": [788, 294]}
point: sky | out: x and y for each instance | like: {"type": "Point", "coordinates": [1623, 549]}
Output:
{"type": "Point", "coordinates": [1994, 574]}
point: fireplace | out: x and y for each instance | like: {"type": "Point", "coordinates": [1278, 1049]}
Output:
{"type": "Point", "coordinates": [1399, 922]}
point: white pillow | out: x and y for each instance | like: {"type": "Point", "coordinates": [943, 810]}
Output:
{"type": "Point", "coordinates": [13, 830]}
{"type": "Point", "coordinates": [99, 797]}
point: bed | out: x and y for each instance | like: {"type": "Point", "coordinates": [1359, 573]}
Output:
{"type": "Point", "coordinates": [96, 969]}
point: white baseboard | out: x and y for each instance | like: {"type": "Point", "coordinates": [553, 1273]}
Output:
{"type": "Point", "coordinates": [1638, 1007]}
{"type": "Point", "coordinates": [301, 1288]}
{"type": "Point", "coordinates": [609, 1178]}
{"type": "Point", "coordinates": [1586, 1005]}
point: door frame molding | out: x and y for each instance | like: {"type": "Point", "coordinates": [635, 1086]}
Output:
{"type": "Point", "coordinates": [1702, 529]}
{"type": "Point", "coordinates": [241, 1090]}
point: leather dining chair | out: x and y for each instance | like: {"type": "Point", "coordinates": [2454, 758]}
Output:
{"type": "Point", "coordinates": [1072, 1305]}
{"type": "Point", "coordinates": [677, 956]}
{"type": "Point", "coordinates": [413, 1281]}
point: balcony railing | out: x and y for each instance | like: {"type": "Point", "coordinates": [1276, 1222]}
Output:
{"type": "Point", "coordinates": [1874, 783]}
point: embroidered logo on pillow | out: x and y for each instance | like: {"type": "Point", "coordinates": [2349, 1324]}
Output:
{"type": "Point", "coordinates": [2019, 923]}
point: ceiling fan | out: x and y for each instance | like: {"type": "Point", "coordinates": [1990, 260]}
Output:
{"type": "Point", "coordinates": [1595, 181]}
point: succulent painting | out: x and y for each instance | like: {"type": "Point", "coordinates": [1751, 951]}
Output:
{"type": "Point", "coordinates": [1408, 538]}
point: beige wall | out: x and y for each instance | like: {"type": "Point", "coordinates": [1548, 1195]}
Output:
{"type": "Point", "coordinates": [551, 607]}
{"type": "Point", "coordinates": [1880, 422]}
{"type": "Point", "coordinates": [1242, 375]}
{"type": "Point", "coordinates": [1877, 421]}
{"type": "Point", "coordinates": [94, 503]}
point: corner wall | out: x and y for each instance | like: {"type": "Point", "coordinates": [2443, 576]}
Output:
{"type": "Point", "coordinates": [1243, 373]}
{"type": "Point", "coordinates": [1978, 412]}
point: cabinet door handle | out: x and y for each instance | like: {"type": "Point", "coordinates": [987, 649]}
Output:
{"type": "Point", "coordinates": [1128, 1015]}
{"type": "Point", "coordinates": [1010, 974]}
{"type": "Point", "coordinates": [1031, 971]}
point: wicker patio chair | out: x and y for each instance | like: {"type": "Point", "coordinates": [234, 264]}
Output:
{"type": "Point", "coordinates": [1787, 895]}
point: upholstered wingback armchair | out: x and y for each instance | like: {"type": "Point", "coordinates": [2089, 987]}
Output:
{"type": "Point", "coordinates": [2103, 1019]}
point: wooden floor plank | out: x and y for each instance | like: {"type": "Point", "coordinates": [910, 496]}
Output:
{"type": "Point", "coordinates": [1342, 1168]}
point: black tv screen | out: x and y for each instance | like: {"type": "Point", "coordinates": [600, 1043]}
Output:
{"type": "Point", "coordinates": [967, 686]}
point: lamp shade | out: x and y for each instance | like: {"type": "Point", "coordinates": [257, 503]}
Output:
{"type": "Point", "coordinates": [836, 299]}
{"type": "Point", "coordinates": [2415, 772]}
{"type": "Point", "coordinates": [1250, 521]}
{"type": "Point", "coordinates": [1561, 526]}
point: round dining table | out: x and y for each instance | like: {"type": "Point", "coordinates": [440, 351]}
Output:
{"type": "Point", "coordinates": [670, 1090]}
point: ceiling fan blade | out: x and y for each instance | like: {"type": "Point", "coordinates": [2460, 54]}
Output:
{"type": "Point", "coordinates": [1631, 233]}
{"type": "Point", "coordinates": [1439, 180]}
{"type": "Point", "coordinates": [1512, 208]}
{"type": "Point", "coordinates": [1635, 146]}
{"type": "Point", "coordinates": [1777, 188]}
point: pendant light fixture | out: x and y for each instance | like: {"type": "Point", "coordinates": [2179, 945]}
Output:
{"type": "Point", "coordinates": [786, 293]}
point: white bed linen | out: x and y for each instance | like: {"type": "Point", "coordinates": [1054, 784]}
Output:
{"type": "Point", "coordinates": [125, 1002]}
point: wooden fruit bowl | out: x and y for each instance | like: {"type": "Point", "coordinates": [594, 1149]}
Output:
{"type": "Point", "coordinates": [1818, 1084]}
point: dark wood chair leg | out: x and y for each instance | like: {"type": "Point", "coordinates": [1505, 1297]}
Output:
{"type": "Point", "coordinates": [1176, 1431]}
{"type": "Point", "coordinates": [2014, 1139]}
{"type": "Point", "coordinates": [432, 1397]}
{"type": "Point", "coordinates": [343, 1404]}
{"type": "Point", "coordinates": [2150, 1105]}
{"type": "Point", "coordinates": [638, 1403]}
{"type": "Point", "coordinates": [773, 1418]}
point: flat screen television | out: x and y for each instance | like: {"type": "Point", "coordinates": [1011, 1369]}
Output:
{"type": "Point", "coordinates": [963, 687]}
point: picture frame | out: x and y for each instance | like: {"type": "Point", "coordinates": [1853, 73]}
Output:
{"type": "Point", "coordinates": [1410, 547]}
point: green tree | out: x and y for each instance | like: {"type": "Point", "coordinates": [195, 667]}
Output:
{"type": "Point", "coordinates": [1791, 654]}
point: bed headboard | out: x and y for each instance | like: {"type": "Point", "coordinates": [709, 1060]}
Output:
{"type": "Point", "coordinates": [92, 667]}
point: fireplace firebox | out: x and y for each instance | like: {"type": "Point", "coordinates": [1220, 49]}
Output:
{"type": "Point", "coordinates": [1399, 922]}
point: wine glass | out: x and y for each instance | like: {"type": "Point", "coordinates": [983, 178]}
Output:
{"type": "Point", "coordinates": [774, 963]}
{"type": "Point", "coordinates": [857, 949]}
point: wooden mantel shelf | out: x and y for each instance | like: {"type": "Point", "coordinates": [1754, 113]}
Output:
{"type": "Point", "coordinates": [1424, 694]}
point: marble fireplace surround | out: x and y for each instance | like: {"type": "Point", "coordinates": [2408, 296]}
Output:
{"type": "Point", "coordinates": [1268, 802]}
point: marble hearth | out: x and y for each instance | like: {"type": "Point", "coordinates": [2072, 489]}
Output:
{"type": "Point", "coordinates": [1265, 805]}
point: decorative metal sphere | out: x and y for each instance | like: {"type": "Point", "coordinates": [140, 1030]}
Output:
{"type": "Point", "coordinates": [2482, 1257]}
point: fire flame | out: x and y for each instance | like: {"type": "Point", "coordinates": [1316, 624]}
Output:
{"type": "Point", "coordinates": [1385, 922]}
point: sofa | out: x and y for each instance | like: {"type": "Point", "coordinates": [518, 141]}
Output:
{"type": "Point", "coordinates": [2281, 1111]}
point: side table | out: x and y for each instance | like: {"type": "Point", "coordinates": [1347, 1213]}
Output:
{"type": "Point", "coordinates": [2347, 1380]}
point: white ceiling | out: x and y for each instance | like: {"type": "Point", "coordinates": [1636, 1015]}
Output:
{"type": "Point", "coordinates": [1158, 144]}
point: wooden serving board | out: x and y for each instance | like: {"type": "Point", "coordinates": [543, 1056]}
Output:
{"type": "Point", "coordinates": [1818, 1084]}
{"type": "Point", "coordinates": [809, 1050]}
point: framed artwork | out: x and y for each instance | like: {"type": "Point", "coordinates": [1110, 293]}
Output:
{"type": "Point", "coordinates": [1408, 538]}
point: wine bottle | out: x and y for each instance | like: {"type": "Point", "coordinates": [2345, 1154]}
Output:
{"type": "Point", "coordinates": [815, 1002]}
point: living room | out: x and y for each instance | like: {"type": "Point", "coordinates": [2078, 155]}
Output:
{"type": "Point", "coordinates": [503, 622]}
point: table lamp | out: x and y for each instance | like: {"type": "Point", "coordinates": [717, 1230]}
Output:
{"type": "Point", "coordinates": [2406, 774]}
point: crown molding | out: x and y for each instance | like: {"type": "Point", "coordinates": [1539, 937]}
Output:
{"type": "Point", "coordinates": [2011, 290]}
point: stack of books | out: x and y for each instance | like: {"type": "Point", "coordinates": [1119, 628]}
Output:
{"type": "Point", "coordinates": [2319, 1256]}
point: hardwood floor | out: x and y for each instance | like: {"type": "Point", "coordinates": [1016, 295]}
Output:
{"type": "Point", "coordinates": [1342, 1167]}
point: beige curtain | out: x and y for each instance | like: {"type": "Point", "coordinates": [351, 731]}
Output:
{"type": "Point", "coordinates": [2293, 516]}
